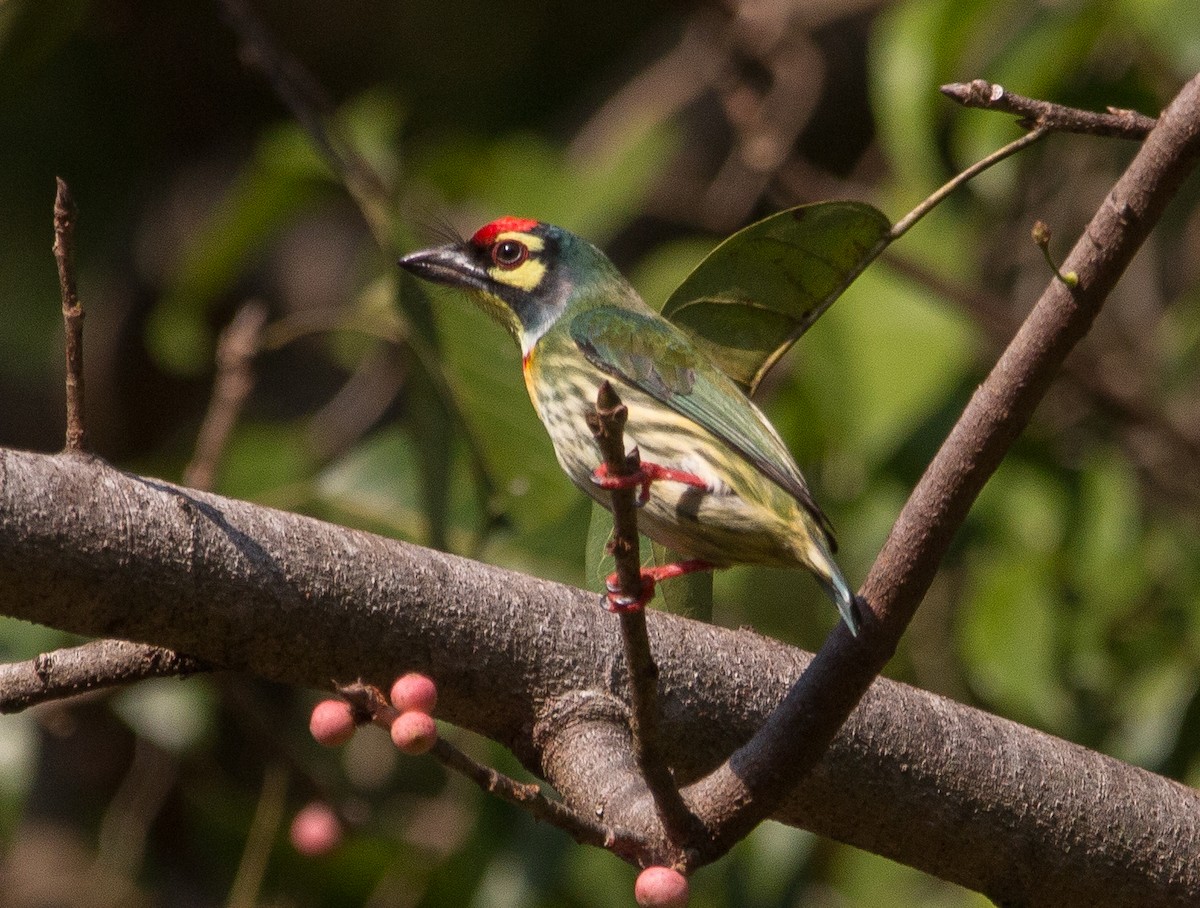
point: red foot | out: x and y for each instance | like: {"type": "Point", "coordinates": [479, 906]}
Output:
{"type": "Point", "coordinates": [646, 474]}
{"type": "Point", "coordinates": [616, 601]}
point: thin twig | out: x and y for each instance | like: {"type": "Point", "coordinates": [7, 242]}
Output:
{"type": "Point", "coordinates": [607, 423]}
{"type": "Point", "coordinates": [370, 705]}
{"type": "Point", "coordinates": [530, 797]}
{"type": "Point", "coordinates": [903, 225]}
{"type": "Point", "coordinates": [373, 196]}
{"type": "Point", "coordinates": [238, 345]}
{"type": "Point", "coordinates": [92, 666]}
{"type": "Point", "coordinates": [72, 310]}
{"type": "Point", "coordinates": [246, 890]}
{"type": "Point", "coordinates": [1116, 124]}
{"type": "Point", "coordinates": [308, 103]}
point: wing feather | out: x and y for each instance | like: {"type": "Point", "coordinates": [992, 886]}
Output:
{"type": "Point", "coordinates": [654, 356]}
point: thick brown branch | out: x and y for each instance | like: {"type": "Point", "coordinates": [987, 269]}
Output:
{"type": "Point", "coordinates": [607, 423]}
{"type": "Point", "coordinates": [299, 601]}
{"type": "Point", "coordinates": [92, 666]}
{"type": "Point", "coordinates": [72, 310]}
{"type": "Point", "coordinates": [1117, 124]}
{"type": "Point", "coordinates": [749, 786]}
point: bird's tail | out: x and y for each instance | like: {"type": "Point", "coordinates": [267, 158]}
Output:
{"type": "Point", "coordinates": [831, 577]}
{"type": "Point", "coordinates": [839, 592]}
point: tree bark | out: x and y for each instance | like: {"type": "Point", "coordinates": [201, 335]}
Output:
{"type": "Point", "coordinates": [970, 797]}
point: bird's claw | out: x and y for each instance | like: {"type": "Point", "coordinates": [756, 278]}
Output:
{"type": "Point", "coordinates": [615, 600]}
{"type": "Point", "coordinates": [619, 603]}
{"type": "Point", "coordinates": [643, 477]}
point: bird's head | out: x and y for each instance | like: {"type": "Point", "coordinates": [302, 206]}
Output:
{"type": "Point", "coordinates": [523, 273]}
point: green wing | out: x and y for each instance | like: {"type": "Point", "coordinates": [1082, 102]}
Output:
{"type": "Point", "coordinates": [654, 356]}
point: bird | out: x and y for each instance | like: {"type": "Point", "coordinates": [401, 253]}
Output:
{"type": "Point", "coordinates": [718, 484]}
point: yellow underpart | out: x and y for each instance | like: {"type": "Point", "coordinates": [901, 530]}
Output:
{"type": "Point", "coordinates": [530, 272]}
{"type": "Point", "coordinates": [530, 369]}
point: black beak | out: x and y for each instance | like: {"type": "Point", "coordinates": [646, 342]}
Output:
{"type": "Point", "coordinates": [451, 265]}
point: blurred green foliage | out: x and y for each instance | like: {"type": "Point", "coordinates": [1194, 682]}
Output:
{"type": "Point", "coordinates": [1069, 601]}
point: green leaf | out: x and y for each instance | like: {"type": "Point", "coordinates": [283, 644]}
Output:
{"type": "Point", "coordinates": [690, 595]}
{"type": "Point", "coordinates": [757, 292]}
{"type": "Point", "coordinates": [598, 560]}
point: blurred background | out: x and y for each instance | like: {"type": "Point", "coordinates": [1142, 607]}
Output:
{"type": "Point", "coordinates": [1070, 601]}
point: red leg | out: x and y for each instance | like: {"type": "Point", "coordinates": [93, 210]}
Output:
{"type": "Point", "coordinates": [646, 474]}
{"type": "Point", "coordinates": [615, 601]}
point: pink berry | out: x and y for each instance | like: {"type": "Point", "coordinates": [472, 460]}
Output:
{"type": "Point", "coordinates": [414, 692]}
{"type": "Point", "coordinates": [661, 887]}
{"type": "Point", "coordinates": [332, 722]}
{"type": "Point", "coordinates": [315, 830]}
{"type": "Point", "coordinates": [414, 733]}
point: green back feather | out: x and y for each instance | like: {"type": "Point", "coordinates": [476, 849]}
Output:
{"type": "Point", "coordinates": [648, 352]}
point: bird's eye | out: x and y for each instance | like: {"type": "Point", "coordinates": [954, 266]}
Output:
{"type": "Point", "coordinates": [509, 253]}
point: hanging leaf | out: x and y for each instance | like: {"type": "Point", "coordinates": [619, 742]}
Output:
{"type": "Point", "coordinates": [598, 560]}
{"type": "Point", "coordinates": [757, 292]}
{"type": "Point", "coordinates": [690, 595]}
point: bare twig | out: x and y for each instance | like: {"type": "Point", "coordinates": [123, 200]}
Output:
{"type": "Point", "coordinates": [370, 705]}
{"type": "Point", "coordinates": [91, 666]}
{"type": "Point", "coordinates": [308, 103]}
{"type": "Point", "coordinates": [1041, 237]}
{"type": "Point", "coordinates": [529, 797]}
{"type": "Point", "coordinates": [238, 345]}
{"type": "Point", "coordinates": [1117, 124]}
{"type": "Point", "coordinates": [246, 890]}
{"type": "Point", "coordinates": [800, 730]}
{"type": "Point", "coordinates": [903, 225]}
{"type": "Point", "coordinates": [607, 423]}
{"type": "Point", "coordinates": [372, 194]}
{"type": "Point", "coordinates": [72, 309]}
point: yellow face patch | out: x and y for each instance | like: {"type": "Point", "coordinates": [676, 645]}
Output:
{"type": "Point", "coordinates": [527, 275]}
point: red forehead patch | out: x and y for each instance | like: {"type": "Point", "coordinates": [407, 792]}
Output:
{"type": "Point", "coordinates": [488, 232]}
